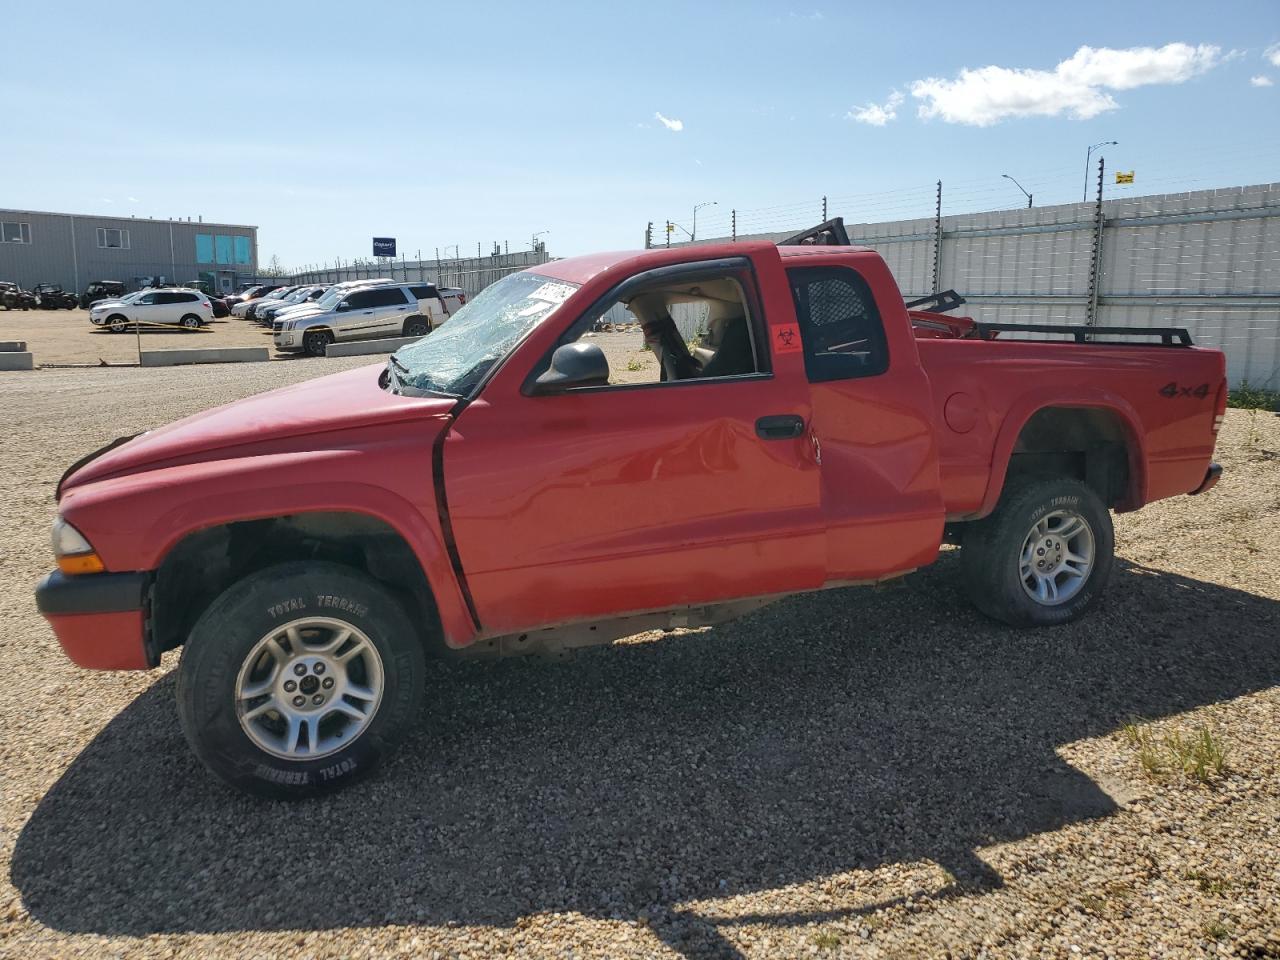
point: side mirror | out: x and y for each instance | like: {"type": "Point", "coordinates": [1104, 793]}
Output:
{"type": "Point", "coordinates": [343, 306]}
{"type": "Point", "coordinates": [574, 365]}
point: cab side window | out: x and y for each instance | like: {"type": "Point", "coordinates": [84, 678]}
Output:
{"type": "Point", "coordinates": [672, 330]}
{"type": "Point", "coordinates": [840, 325]}
{"type": "Point", "coordinates": [388, 297]}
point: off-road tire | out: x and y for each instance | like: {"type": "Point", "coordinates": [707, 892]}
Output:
{"type": "Point", "coordinates": [238, 620]}
{"type": "Point", "coordinates": [992, 551]}
{"type": "Point", "coordinates": [314, 342]}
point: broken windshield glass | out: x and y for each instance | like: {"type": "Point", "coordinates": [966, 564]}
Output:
{"type": "Point", "coordinates": [455, 357]}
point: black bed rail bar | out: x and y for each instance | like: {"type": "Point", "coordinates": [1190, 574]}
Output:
{"type": "Point", "coordinates": [937, 302]}
{"type": "Point", "coordinates": [1169, 336]}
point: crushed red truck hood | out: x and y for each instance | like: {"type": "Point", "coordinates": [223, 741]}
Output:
{"type": "Point", "coordinates": [344, 401]}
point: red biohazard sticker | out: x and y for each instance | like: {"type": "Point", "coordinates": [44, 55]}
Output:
{"type": "Point", "coordinates": [786, 338]}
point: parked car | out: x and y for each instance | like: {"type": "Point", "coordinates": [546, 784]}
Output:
{"type": "Point", "coordinates": [13, 297]}
{"type": "Point", "coordinates": [369, 313]}
{"type": "Point", "coordinates": [273, 299]}
{"type": "Point", "coordinates": [251, 293]}
{"type": "Point", "coordinates": [175, 306]}
{"type": "Point", "coordinates": [51, 296]}
{"type": "Point", "coordinates": [101, 290]}
{"type": "Point", "coordinates": [303, 295]}
{"type": "Point", "coordinates": [272, 295]}
{"type": "Point", "coordinates": [220, 308]}
{"type": "Point", "coordinates": [500, 487]}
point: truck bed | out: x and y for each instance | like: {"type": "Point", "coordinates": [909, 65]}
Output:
{"type": "Point", "coordinates": [1164, 399]}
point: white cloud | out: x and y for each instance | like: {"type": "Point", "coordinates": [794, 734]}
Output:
{"type": "Point", "coordinates": [133, 199]}
{"type": "Point", "coordinates": [1077, 85]}
{"type": "Point", "coordinates": [876, 114]}
{"type": "Point", "coordinates": [812, 15]}
{"type": "Point", "coordinates": [1261, 81]}
{"type": "Point", "coordinates": [675, 126]}
{"type": "Point", "coordinates": [1272, 54]}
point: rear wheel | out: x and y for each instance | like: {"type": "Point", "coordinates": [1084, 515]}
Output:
{"type": "Point", "coordinates": [417, 327]}
{"type": "Point", "coordinates": [299, 679]}
{"type": "Point", "coordinates": [191, 322]}
{"type": "Point", "coordinates": [1044, 556]}
{"type": "Point", "coordinates": [315, 342]}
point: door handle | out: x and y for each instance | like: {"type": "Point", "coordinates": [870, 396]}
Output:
{"type": "Point", "coordinates": [783, 426]}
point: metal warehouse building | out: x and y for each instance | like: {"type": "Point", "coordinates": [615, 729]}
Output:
{"type": "Point", "coordinates": [74, 250]}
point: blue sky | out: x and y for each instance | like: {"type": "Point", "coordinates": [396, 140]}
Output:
{"type": "Point", "coordinates": [326, 124]}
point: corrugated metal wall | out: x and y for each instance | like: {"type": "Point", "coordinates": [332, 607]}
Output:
{"type": "Point", "coordinates": [64, 250]}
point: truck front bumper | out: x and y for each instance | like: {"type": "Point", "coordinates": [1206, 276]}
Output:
{"type": "Point", "coordinates": [98, 618]}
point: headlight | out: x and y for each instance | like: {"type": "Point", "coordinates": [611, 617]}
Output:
{"type": "Point", "coordinates": [73, 552]}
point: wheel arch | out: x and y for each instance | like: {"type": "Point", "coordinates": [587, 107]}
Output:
{"type": "Point", "coordinates": [1097, 439]}
{"type": "Point", "coordinates": [202, 563]}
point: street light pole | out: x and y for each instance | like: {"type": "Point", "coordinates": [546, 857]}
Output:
{"type": "Point", "coordinates": [696, 207]}
{"type": "Point", "coordinates": [1020, 187]}
{"type": "Point", "coordinates": [533, 241]}
{"type": "Point", "coordinates": [1087, 157]}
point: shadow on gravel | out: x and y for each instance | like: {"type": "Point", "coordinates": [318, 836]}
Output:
{"type": "Point", "coordinates": [828, 732]}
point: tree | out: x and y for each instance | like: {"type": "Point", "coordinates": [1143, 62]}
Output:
{"type": "Point", "coordinates": [274, 268]}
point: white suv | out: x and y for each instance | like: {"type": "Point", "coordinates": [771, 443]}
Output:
{"type": "Point", "coordinates": [370, 313]}
{"type": "Point", "coordinates": [176, 307]}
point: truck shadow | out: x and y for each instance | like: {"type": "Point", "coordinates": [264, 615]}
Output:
{"type": "Point", "coordinates": [826, 733]}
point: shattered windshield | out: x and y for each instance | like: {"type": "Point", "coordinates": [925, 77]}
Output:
{"type": "Point", "coordinates": [454, 358]}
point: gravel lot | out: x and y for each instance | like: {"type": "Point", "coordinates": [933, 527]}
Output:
{"type": "Point", "coordinates": [67, 337]}
{"type": "Point", "coordinates": [870, 773]}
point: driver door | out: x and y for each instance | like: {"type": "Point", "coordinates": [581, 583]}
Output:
{"type": "Point", "coordinates": [603, 500]}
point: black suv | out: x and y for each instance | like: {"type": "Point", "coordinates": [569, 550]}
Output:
{"type": "Point", "coordinates": [51, 296]}
{"type": "Point", "coordinates": [101, 290]}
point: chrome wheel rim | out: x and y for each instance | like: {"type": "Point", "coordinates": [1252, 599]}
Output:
{"type": "Point", "coordinates": [1057, 557]}
{"type": "Point", "coordinates": [309, 688]}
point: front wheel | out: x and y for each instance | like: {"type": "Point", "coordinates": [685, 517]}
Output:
{"type": "Point", "coordinates": [1043, 557]}
{"type": "Point", "coordinates": [317, 342]}
{"type": "Point", "coordinates": [118, 323]}
{"type": "Point", "coordinates": [299, 679]}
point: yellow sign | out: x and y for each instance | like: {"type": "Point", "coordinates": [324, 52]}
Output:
{"type": "Point", "coordinates": [671, 228]}
{"type": "Point", "coordinates": [1124, 177]}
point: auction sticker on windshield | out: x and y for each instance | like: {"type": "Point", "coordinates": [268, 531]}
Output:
{"type": "Point", "coordinates": [552, 292]}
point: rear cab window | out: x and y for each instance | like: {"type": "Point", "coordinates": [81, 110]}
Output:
{"type": "Point", "coordinates": [840, 325]}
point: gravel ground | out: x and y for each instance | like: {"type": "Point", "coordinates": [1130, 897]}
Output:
{"type": "Point", "coordinates": [67, 337]}
{"type": "Point", "coordinates": [869, 773]}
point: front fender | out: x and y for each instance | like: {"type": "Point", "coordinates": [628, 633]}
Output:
{"type": "Point", "coordinates": [134, 521]}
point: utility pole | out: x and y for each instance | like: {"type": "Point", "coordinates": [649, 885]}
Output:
{"type": "Point", "coordinates": [668, 234]}
{"type": "Point", "coordinates": [648, 235]}
{"type": "Point", "coordinates": [734, 223]}
{"type": "Point", "coordinates": [824, 209]}
{"type": "Point", "coordinates": [1088, 154]}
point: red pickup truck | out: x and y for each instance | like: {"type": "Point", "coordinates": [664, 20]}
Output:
{"type": "Point", "coordinates": [525, 479]}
